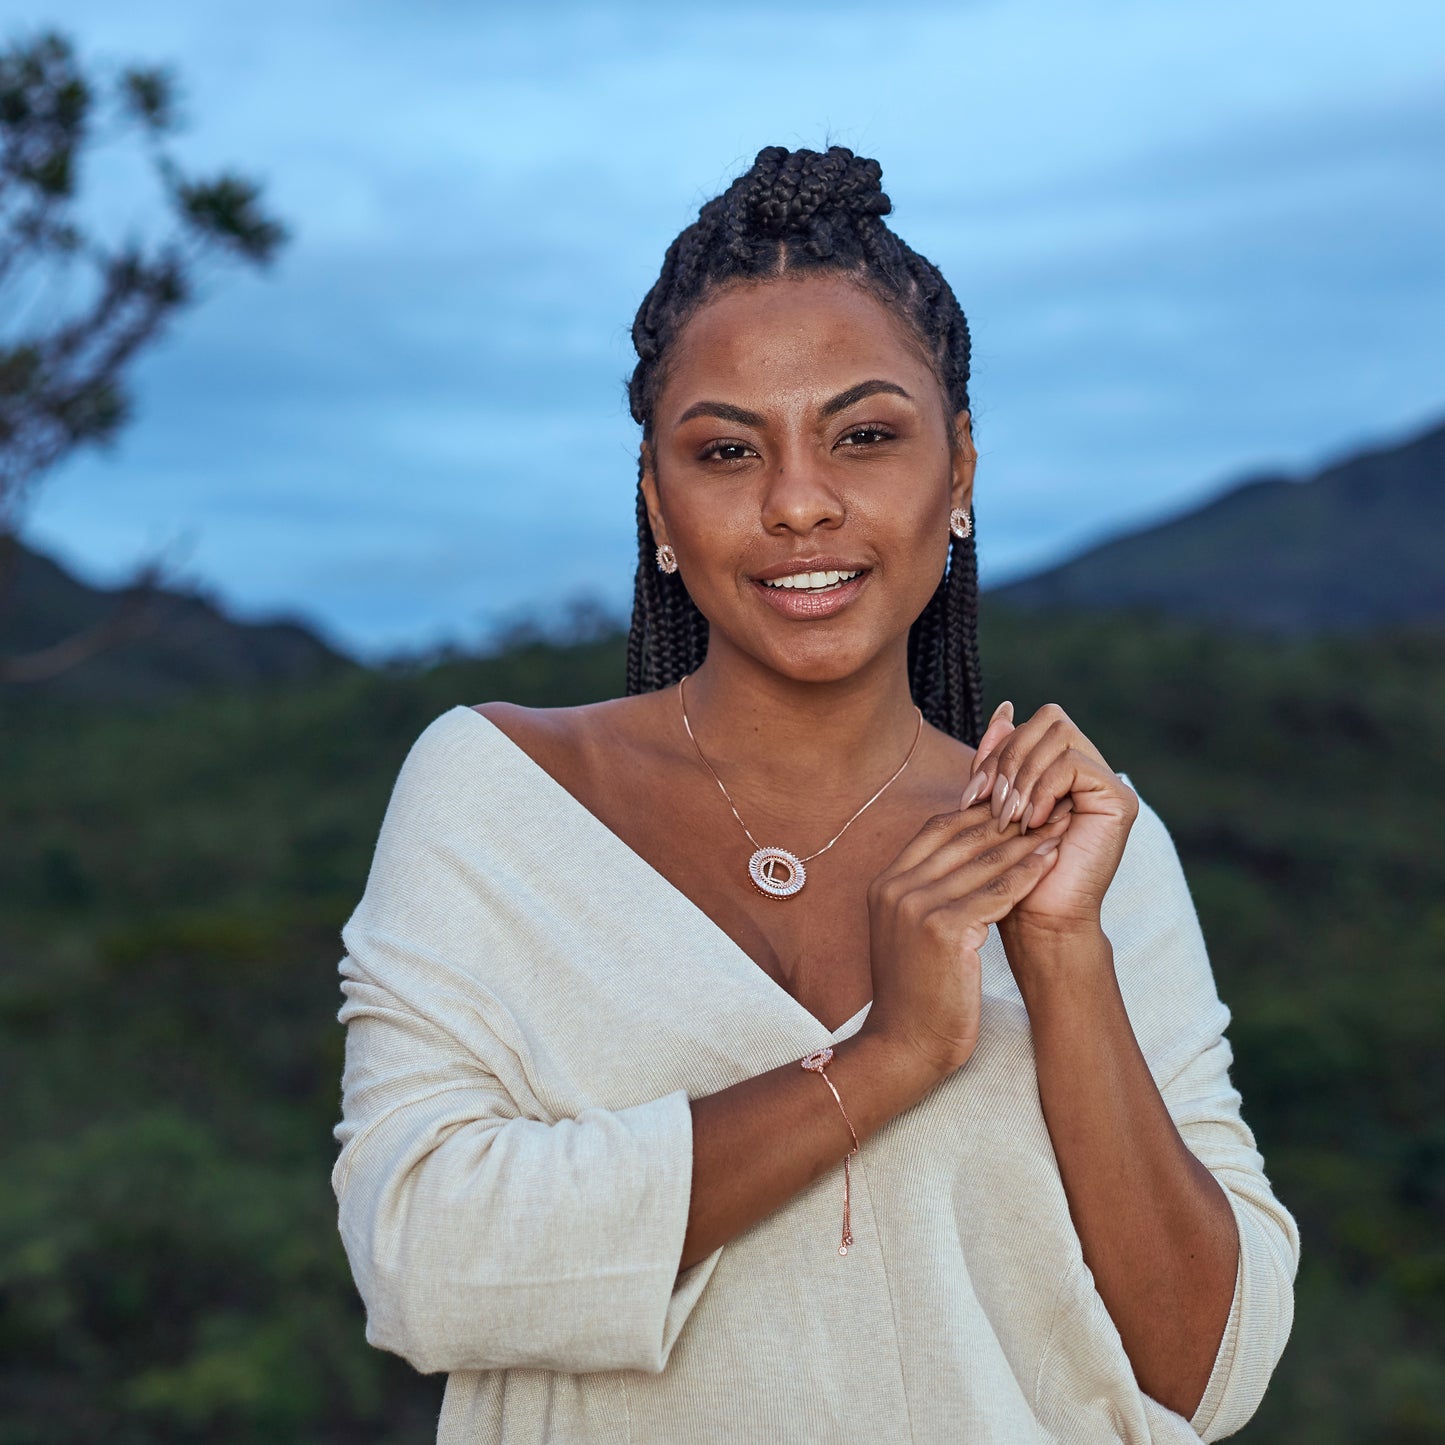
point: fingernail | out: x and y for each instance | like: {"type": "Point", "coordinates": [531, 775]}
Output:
{"type": "Point", "coordinates": [1000, 799]}
{"type": "Point", "coordinates": [1025, 808]}
{"type": "Point", "coordinates": [999, 712]}
{"type": "Point", "coordinates": [976, 788]}
{"type": "Point", "coordinates": [1047, 846]}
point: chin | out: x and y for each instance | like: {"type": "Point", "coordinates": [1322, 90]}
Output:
{"type": "Point", "coordinates": [823, 661]}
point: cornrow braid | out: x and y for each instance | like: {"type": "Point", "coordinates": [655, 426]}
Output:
{"type": "Point", "coordinates": [795, 211]}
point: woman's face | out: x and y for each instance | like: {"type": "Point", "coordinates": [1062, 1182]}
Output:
{"type": "Point", "coordinates": [801, 430]}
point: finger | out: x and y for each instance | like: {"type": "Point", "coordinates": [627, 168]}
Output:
{"type": "Point", "coordinates": [940, 830]}
{"type": "Point", "coordinates": [999, 727]}
{"type": "Point", "coordinates": [1003, 764]}
{"type": "Point", "coordinates": [1076, 774]}
{"type": "Point", "coordinates": [997, 895]}
{"type": "Point", "coordinates": [976, 791]}
{"type": "Point", "coordinates": [969, 859]}
{"type": "Point", "coordinates": [1027, 753]}
{"type": "Point", "coordinates": [1021, 777]}
{"type": "Point", "coordinates": [1029, 809]}
{"type": "Point", "coordinates": [937, 831]}
{"type": "Point", "coordinates": [1053, 715]}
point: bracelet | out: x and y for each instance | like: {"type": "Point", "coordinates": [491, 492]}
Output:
{"type": "Point", "coordinates": [816, 1063]}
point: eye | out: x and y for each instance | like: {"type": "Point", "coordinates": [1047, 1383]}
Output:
{"type": "Point", "coordinates": [725, 451]}
{"type": "Point", "coordinates": [866, 435]}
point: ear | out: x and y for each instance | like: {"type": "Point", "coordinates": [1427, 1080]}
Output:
{"type": "Point", "coordinates": [965, 458]}
{"type": "Point", "coordinates": [647, 480]}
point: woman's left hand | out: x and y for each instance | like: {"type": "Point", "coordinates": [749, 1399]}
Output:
{"type": "Point", "coordinates": [1030, 769]}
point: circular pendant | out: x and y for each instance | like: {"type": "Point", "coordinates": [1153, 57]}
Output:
{"type": "Point", "coordinates": [777, 872]}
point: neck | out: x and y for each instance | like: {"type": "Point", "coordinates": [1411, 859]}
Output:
{"type": "Point", "coordinates": [795, 748]}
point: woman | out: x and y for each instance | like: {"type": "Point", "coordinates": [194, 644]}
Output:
{"type": "Point", "coordinates": [630, 982]}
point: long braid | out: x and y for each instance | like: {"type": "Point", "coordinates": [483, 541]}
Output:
{"type": "Point", "coordinates": [795, 211]}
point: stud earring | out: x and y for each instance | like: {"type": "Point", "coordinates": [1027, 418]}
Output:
{"type": "Point", "coordinates": [960, 523]}
{"type": "Point", "coordinates": [666, 559]}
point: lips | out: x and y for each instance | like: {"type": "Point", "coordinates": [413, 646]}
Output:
{"type": "Point", "coordinates": [811, 581]}
{"type": "Point", "coordinates": [802, 566]}
{"type": "Point", "coordinates": [811, 603]}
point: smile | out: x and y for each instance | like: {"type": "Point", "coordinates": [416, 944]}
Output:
{"type": "Point", "coordinates": [812, 596]}
{"type": "Point", "coordinates": [812, 581]}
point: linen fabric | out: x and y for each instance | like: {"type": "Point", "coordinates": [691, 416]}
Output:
{"type": "Point", "coordinates": [530, 1006]}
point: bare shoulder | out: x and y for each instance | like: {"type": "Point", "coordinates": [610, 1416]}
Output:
{"type": "Point", "coordinates": [949, 751]}
{"type": "Point", "coordinates": [565, 740]}
{"type": "Point", "coordinates": [943, 767]}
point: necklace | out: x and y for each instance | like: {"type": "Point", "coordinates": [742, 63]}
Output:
{"type": "Point", "coordinates": [775, 871]}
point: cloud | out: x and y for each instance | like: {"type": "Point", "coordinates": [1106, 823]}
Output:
{"type": "Point", "coordinates": [1188, 241]}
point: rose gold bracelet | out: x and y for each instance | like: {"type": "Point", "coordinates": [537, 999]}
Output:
{"type": "Point", "coordinates": [816, 1063]}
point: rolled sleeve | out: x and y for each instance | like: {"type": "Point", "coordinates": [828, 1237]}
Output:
{"type": "Point", "coordinates": [480, 1239]}
{"type": "Point", "coordinates": [1205, 1108]}
{"type": "Point", "coordinates": [1169, 989]}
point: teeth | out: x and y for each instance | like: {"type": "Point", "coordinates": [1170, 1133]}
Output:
{"type": "Point", "coordinates": [811, 581]}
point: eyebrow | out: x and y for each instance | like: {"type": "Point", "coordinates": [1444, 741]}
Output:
{"type": "Point", "coordinates": [845, 399]}
{"type": "Point", "coordinates": [725, 411]}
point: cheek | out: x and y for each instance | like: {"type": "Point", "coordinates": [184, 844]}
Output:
{"type": "Point", "coordinates": [712, 539]}
{"type": "Point", "coordinates": [908, 515]}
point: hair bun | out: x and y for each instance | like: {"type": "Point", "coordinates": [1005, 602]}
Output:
{"type": "Point", "coordinates": [789, 190]}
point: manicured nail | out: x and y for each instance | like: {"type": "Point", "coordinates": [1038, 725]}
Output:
{"type": "Point", "coordinates": [999, 712]}
{"type": "Point", "coordinates": [1001, 801]}
{"type": "Point", "coordinates": [1010, 811]}
{"type": "Point", "coordinates": [1025, 808]}
{"type": "Point", "coordinates": [977, 787]}
{"type": "Point", "coordinates": [1000, 792]}
{"type": "Point", "coordinates": [1047, 846]}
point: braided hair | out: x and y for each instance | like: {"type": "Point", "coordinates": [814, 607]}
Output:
{"type": "Point", "coordinates": [793, 212]}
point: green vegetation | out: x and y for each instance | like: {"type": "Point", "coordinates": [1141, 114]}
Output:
{"type": "Point", "coordinates": [173, 883]}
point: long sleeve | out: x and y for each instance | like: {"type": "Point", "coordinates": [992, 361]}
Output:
{"type": "Point", "coordinates": [1169, 988]}
{"type": "Point", "coordinates": [530, 1007]}
{"type": "Point", "coordinates": [480, 1239]}
{"type": "Point", "coordinates": [491, 1219]}
{"type": "Point", "coordinates": [1205, 1109]}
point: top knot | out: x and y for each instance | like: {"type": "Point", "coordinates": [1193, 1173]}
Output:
{"type": "Point", "coordinates": [788, 192]}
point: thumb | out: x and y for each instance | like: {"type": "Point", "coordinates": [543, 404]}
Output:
{"type": "Point", "coordinates": [1000, 725]}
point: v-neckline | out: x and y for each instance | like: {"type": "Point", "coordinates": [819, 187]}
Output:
{"type": "Point", "coordinates": [676, 896]}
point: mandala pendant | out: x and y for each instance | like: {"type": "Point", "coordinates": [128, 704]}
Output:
{"type": "Point", "coordinates": [777, 872]}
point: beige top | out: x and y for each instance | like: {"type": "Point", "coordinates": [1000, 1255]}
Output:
{"type": "Point", "coordinates": [529, 1006]}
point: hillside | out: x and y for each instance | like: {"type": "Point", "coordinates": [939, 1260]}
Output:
{"type": "Point", "coordinates": [183, 642]}
{"type": "Point", "coordinates": [1351, 549]}
{"type": "Point", "coordinates": [1355, 547]}
{"type": "Point", "coordinates": [172, 886]}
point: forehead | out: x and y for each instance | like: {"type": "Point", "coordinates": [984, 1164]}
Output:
{"type": "Point", "coordinates": [785, 335]}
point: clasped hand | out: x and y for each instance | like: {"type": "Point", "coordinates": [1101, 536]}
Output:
{"type": "Point", "coordinates": [1025, 772]}
{"type": "Point", "coordinates": [1038, 836]}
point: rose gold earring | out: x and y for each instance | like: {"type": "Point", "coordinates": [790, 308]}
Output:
{"type": "Point", "coordinates": [666, 559]}
{"type": "Point", "coordinates": [960, 523]}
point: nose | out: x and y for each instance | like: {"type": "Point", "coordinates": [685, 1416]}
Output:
{"type": "Point", "coordinates": [799, 495]}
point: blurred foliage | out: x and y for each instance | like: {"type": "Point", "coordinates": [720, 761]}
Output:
{"type": "Point", "coordinates": [63, 363]}
{"type": "Point", "coordinates": [172, 886]}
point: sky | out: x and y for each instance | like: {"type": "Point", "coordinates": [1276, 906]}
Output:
{"type": "Point", "coordinates": [1195, 239]}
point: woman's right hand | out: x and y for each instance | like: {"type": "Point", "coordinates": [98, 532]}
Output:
{"type": "Point", "coordinates": [929, 914]}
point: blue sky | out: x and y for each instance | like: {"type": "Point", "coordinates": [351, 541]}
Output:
{"type": "Point", "coordinates": [1194, 240]}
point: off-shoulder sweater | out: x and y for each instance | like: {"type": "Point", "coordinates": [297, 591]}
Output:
{"type": "Point", "coordinates": [529, 1007]}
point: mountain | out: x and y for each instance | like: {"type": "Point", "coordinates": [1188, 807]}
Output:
{"type": "Point", "coordinates": [1355, 547]}
{"type": "Point", "coordinates": [178, 642]}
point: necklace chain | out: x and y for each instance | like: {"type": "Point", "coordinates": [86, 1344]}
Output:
{"type": "Point", "coordinates": [682, 695]}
